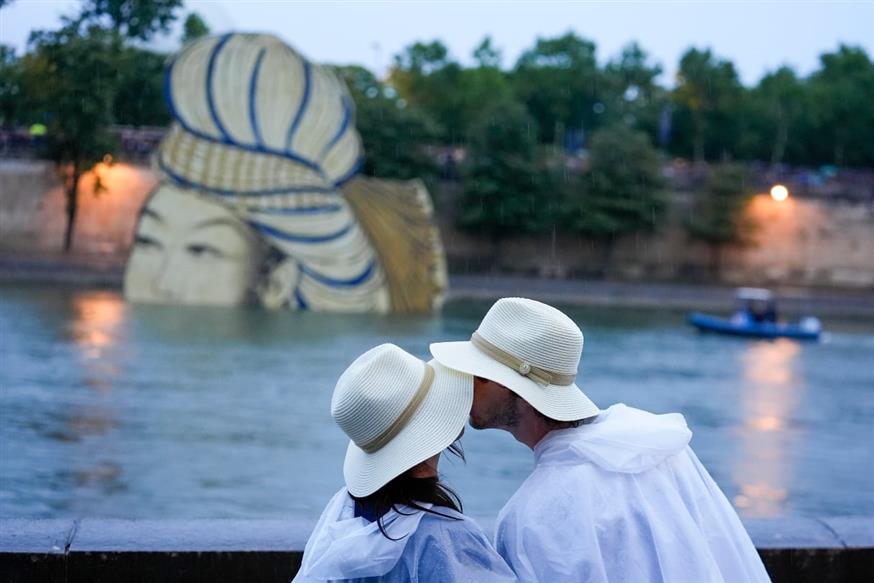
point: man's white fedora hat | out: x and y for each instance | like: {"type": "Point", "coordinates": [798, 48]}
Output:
{"type": "Point", "coordinates": [398, 411]}
{"type": "Point", "coordinates": [530, 348]}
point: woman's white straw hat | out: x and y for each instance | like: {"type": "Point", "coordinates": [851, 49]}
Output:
{"type": "Point", "coordinates": [398, 411]}
{"type": "Point", "coordinates": [532, 349]}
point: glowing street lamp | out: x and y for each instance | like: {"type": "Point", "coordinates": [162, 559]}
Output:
{"type": "Point", "coordinates": [779, 192]}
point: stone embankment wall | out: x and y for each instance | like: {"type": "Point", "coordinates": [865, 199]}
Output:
{"type": "Point", "coordinates": [798, 242]}
{"type": "Point", "coordinates": [794, 550]}
{"type": "Point", "coordinates": [804, 242]}
{"type": "Point", "coordinates": [33, 212]}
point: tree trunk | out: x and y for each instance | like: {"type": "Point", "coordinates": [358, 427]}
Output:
{"type": "Point", "coordinates": [71, 189]}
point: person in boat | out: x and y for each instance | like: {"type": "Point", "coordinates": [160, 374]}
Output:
{"type": "Point", "coordinates": [615, 494]}
{"type": "Point", "coordinates": [395, 520]}
{"type": "Point", "coordinates": [761, 311]}
{"type": "Point", "coordinates": [757, 306]}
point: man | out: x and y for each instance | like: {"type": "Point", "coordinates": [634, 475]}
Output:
{"type": "Point", "coordinates": [615, 495]}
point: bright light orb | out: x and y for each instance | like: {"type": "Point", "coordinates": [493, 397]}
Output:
{"type": "Point", "coordinates": [779, 192]}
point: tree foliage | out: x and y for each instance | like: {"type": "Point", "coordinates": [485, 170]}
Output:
{"type": "Point", "coordinates": [708, 94]}
{"type": "Point", "coordinates": [395, 134]}
{"type": "Point", "coordinates": [842, 109]}
{"type": "Point", "coordinates": [193, 28]}
{"type": "Point", "coordinates": [632, 93]}
{"type": "Point", "coordinates": [11, 98]}
{"type": "Point", "coordinates": [718, 212]}
{"type": "Point", "coordinates": [622, 191]}
{"type": "Point", "coordinates": [507, 191]}
{"type": "Point", "coordinates": [776, 116]}
{"type": "Point", "coordinates": [130, 19]}
{"type": "Point", "coordinates": [70, 78]}
{"type": "Point", "coordinates": [78, 77]}
{"type": "Point", "coordinates": [559, 82]}
{"type": "Point", "coordinates": [139, 91]}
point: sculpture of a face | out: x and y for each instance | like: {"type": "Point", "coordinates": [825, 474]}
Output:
{"type": "Point", "coordinates": [191, 250]}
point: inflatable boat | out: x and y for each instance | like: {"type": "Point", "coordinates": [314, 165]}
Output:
{"type": "Point", "coordinates": [756, 317]}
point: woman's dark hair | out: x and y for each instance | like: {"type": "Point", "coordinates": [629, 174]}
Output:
{"type": "Point", "coordinates": [406, 490]}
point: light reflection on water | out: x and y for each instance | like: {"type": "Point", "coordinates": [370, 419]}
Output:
{"type": "Point", "coordinates": [108, 409]}
{"type": "Point", "coordinates": [770, 393]}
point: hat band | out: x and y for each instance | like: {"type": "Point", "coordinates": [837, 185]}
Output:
{"type": "Point", "coordinates": [523, 367]}
{"type": "Point", "coordinates": [378, 442]}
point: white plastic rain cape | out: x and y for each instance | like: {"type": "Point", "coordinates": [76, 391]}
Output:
{"type": "Point", "coordinates": [344, 547]}
{"type": "Point", "coordinates": [624, 499]}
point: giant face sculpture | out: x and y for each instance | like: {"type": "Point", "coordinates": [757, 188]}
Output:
{"type": "Point", "coordinates": [191, 250]}
{"type": "Point", "coordinates": [257, 198]}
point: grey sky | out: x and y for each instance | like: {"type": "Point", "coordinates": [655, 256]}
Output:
{"type": "Point", "coordinates": [757, 36]}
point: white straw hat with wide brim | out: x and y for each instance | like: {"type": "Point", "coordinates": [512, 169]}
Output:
{"type": "Point", "coordinates": [532, 349]}
{"type": "Point", "coordinates": [379, 389]}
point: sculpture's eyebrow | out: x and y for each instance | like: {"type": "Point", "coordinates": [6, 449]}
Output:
{"type": "Point", "coordinates": [223, 221]}
{"type": "Point", "coordinates": [147, 212]}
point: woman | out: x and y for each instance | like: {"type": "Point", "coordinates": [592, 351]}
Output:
{"type": "Point", "coordinates": [394, 521]}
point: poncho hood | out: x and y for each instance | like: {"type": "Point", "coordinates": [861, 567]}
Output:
{"type": "Point", "coordinates": [344, 546]}
{"type": "Point", "coordinates": [622, 439]}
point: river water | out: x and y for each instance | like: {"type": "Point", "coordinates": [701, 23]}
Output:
{"type": "Point", "coordinates": [113, 410]}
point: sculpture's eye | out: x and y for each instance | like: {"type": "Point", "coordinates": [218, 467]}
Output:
{"type": "Point", "coordinates": [146, 242]}
{"type": "Point", "coordinates": [202, 250]}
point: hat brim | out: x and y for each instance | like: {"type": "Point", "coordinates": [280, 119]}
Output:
{"type": "Point", "coordinates": [433, 427]}
{"type": "Point", "coordinates": [559, 402]}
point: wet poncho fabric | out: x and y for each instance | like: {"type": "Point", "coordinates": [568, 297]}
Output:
{"type": "Point", "coordinates": [347, 548]}
{"type": "Point", "coordinates": [624, 500]}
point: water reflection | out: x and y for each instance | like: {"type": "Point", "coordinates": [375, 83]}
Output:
{"type": "Point", "coordinates": [95, 317]}
{"type": "Point", "coordinates": [94, 329]}
{"type": "Point", "coordinates": [769, 398]}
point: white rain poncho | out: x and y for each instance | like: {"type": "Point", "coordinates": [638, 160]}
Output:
{"type": "Point", "coordinates": [431, 548]}
{"type": "Point", "coordinates": [624, 499]}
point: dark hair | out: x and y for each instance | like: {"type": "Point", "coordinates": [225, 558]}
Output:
{"type": "Point", "coordinates": [554, 424]}
{"type": "Point", "coordinates": [406, 490]}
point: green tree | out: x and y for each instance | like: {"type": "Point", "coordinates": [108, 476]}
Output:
{"type": "Point", "coordinates": [193, 28]}
{"type": "Point", "coordinates": [622, 192]}
{"type": "Point", "coordinates": [139, 91]}
{"type": "Point", "coordinates": [559, 82]}
{"type": "Point", "coordinates": [775, 111]}
{"type": "Point", "coordinates": [842, 113]}
{"type": "Point", "coordinates": [426, 77]}
{"type": "Point", "coordinates": [506, 189]}
{"type": "Point", "coordinates": [130, 19]}
{"type": "Point", "coordinates": [481, 86]}
{"type": "Point", "coordinates": [455, 97]}
{"type": "Point", "coordinates": [74, 74]}
{"type": "Point", "coordinates": [394, 133]}
{"type": "Point", "coordinates": [486, 55]}
{"type": "Point", "coordinates": [718, 212]}
{"type": "Point", "coordinates": [631, 92]}
{"type": "Point", "coordinates": [709, 94]}
{"type": "Point", "coordinates": [71, 75]}
{"type": "Point", "coordinates": [10, 87]}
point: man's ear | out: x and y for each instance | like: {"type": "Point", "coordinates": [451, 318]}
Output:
{"type": "Point", "coordinates": [277, 287]}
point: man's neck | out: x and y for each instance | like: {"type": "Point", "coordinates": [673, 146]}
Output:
{"type": "Point", "coordinates": [529, 426]}
{"type": "Point", "coordinates": [530, 431]}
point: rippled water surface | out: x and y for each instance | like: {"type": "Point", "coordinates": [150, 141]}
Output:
{"type": "Point", "coordinates": [113, 410]}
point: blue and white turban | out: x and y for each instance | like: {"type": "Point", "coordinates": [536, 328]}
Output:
{"type": "Point", "coordinates": [271, 135]}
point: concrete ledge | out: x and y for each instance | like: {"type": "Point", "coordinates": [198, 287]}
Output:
{"type": "Point", "coordinates": [797, 550]}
